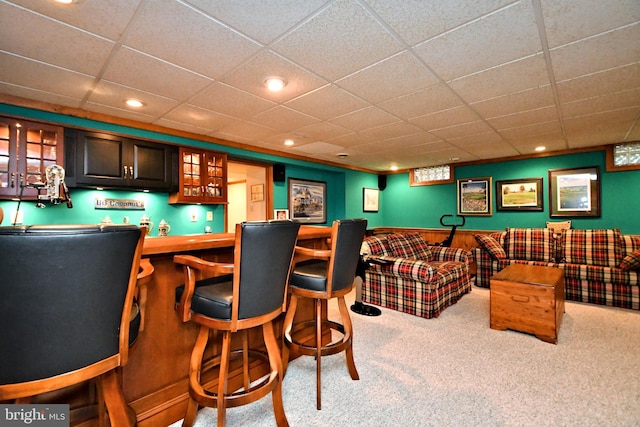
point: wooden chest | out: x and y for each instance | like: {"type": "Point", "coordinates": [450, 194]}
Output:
{"type": "Point", "coordinates": [529, 299]}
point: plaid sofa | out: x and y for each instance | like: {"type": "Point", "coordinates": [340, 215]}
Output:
{"type": "Point", "coordinates": [408, 275]}
{"type": "Point", "coordinates": [600, 266]}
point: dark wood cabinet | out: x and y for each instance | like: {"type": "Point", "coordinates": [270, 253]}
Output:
{"type": "Point", "coordinates": [112, 161]}
{"type": "Point", "coordinates": [26, 149]}
{"type": "Point", "coordinates": [202, 177]}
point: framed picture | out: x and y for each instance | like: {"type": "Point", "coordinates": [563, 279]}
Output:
{"type": "Point", "coordinates": [574, 192]}
{"type": "Point", "coordinates": [281, 214]}
{"type": "Point", "coordinates": [307, 201]}
{"type": "Point", "coordinates": [257, 192]}
{"type": "Point", "coordinates": [519, 195]}
{"type": "Point", "coordinates": [474, 196]}
{"type": "Point", "coordinates": [370, 199]}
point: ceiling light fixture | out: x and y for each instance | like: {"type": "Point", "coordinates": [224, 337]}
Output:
{"type": "Point", "coordinates": [541, 148]}
{"type": "Point", "coordinates": [275, 84]}
{"type": "Point", "coordinates": [134, 103]}
{"type": "Point", "coordinates": [288, 142]}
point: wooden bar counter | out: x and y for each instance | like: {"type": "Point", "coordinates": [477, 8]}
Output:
{"type": "Point", "coordinates": [155, 378]}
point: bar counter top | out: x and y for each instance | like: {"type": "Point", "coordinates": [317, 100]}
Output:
{"type": "Point", "coordinates": [193, 242]}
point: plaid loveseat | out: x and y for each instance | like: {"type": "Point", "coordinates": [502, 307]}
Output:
{"type": "Point", "coordinates": [600, 266]}
{"type": "Point", "coordinates": [408, 275]}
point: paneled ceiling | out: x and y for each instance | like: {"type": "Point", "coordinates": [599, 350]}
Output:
{"type": "Point", "coordinates": [387, 82]}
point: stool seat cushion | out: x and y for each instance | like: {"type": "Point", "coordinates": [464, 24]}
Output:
{"type": "Point", "coordinates": [212, 297]}
{"type": "Point", "coordinates": [310, 275]}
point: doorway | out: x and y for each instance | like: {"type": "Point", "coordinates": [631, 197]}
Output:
{"type": "Point", "coordinates": [249, 191]}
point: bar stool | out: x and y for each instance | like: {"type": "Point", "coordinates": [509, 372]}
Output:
{"type": "Point", "coordinates": [327, 274]}
{"type": "Point", "coordinates": [65, 307]}
{"type": "Point", "coordinates": [246, 294]}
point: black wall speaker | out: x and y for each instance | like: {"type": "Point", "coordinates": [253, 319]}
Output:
{"type": "Point", "coordinates": [278, 172]}
{"type": "Point", "coordinates": [382, 182]}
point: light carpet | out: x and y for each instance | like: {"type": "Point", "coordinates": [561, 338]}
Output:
{"type": "Point", "coordinates": [456, 371]}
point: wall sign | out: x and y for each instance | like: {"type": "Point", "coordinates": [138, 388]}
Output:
{"type": "Point", "coordinates": [118, 204]}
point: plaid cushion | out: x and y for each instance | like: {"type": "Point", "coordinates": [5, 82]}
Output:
{"type": "Point", "coordinates": [592, 247]}
{"type": "Point", "coordinates": [631, 261]}
{"type": "Point", "coordinates": [531, 244]}
{"type": "Point", "coordinates": [491, 245]}
{"type": "Point", "coordinates": [410, 245]}
{"type": "Point", "coordinates": [631, 244]}
{"type": "Point", "coordinates": [375, 245]}
{"type": "Point", "coordinates": [420, 246]}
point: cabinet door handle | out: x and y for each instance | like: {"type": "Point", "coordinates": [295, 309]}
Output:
{"type": "Point", "coordinates": [13, 180]}
{"type": "Point", "coordinates": [125, 172]}
{"type": "Point", "coordinates": [21, 179]}
{"type": "Point", "coordinates": [130, 172]}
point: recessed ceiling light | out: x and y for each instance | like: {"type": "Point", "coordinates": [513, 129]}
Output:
{"type": "Point", "coordinates": [541, 148]}
{"type": "Point", "coordinates": [288, 142]}
{"type": "Point", "coordinates": [134, 103]}
{"type": "Point", "coordinates": [342, 155]}
{"type": "Point", "coordinates": [394, 168]}
{"type": "Point", "coordinates": [275, 84]}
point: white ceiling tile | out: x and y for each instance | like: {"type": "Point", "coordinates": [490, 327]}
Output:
{"type": "Point", "coordinates": [602, 128]}
{"type": "Point", "coordinates": [601, 104]}
{"type": "Point", "coordinates": [435, 98]}
{"type": "Point", "coordinates": [249, 131]}
{"type": "Point", "coordinates": [52, 43]}
{"type": "Point", "coordinates": [198, 117]}
{"type": "Point", "coordinates": [41, 96]}
{"type": "Point", "coordinates": [230, 101]}
{"type": "Point", "coordinates": [445, 118]}
{"type": "Point", "coordinates": [107, 18]}
{"type": "Point", "coordinates": [327, 102]}
{"type": "Point", "coordinates": [251, 77]}
{"type": "Point", "coordinates": [267, 20]}
{"type": "Point", "coordinates": [518, 133]}
{"type": "Point", "coordinates": [462, 130]}
{"type": "Point", "coordinates": [283, 119]}
{"type": "Point", "coordinates": [569, 20]}
{"type": "Point", "coordinates": [392, 130]}
{"type": "Point", "coordinates": [513, 77]}
{"type": "Point", "coordinates": [19, 71]}
{"type": "Point", "coordinates": [415, 21]}
{"type": "Point", "coordinates": [135, 69]}
{"type": "Point", "coordinates": [395, 76]}
{"type": "Point", "coordinates": [524, 118]}
{"type": "Point", "coordinates": [338, 41]}
{"type": "Point", "coordinates": [119, 112]}
{"type": "Point", "coordinates": [321, 131]}
{"type": "Point", "coordinates": [552, 142]}
{"type": "Point", "coordinates": [318, 147]}
{"type": "Point", "coordinates": [189, 39]}
{"type": "Point", "coordinates": [353, 139]}
{"type": "Point", "coordinates": [609, 50]}
{"type": "Point", "coordinates": [601, 83]}
{"type": "Point", "coordinates": [114, 96]}
{"type": "Point", "coordinates": [481, 44]}
{"type": "Point", "coordinates": [526, 100]}
{"type": "Point", "coordinates": [492, 150]}
{"type": "Point", "coordinates": [365, 118]}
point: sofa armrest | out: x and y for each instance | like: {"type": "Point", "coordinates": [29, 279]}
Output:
{"type": "Point", "coordinates": [450, 254]}
{"type": "Point", "coordinates": [411, 269]}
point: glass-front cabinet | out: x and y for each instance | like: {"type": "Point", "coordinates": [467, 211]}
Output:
{"type": "Point", "coordinates": [203, 177]}
{"type": "Point", "coordinates": [26, 149]}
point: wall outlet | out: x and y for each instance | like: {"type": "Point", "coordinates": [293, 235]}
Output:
{"type": "Point", "coordinates": [209, 215]}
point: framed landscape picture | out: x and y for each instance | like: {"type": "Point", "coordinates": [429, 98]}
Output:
{"type": "Point", "coordinates": [307, 201]}
{"type": "Point", "coordinates": [370, 199]}
{"type": "Point", "coordinates": [474, 196]}
{"type": "Point", "coordinates": [574, 192]}
{"type": "Point", "coordinates": [519, 195]}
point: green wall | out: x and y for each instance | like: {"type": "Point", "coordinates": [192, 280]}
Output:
{"type": "Point", "coordinates": [400, 204]}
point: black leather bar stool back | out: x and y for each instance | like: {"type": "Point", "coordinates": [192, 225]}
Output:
{"type": "Point", "coordinates": [232, 298]}
{"type": "Point", "coordinates": [323, 275]}
{"type": "Point", "coordinates": [65, 305]}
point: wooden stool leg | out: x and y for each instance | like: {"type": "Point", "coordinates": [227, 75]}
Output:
{"type": "Point", "coordinates": [288, 323]}
{"type": "Point", "coordinates": [245, 360]}
{"type": "Point", "coordinates": [119, 412]}
{"type": "Point", "coordinates": [275, 361]}
{"type": "Point", "coordinates": [222, 378]}
{"type": "Point", "coordinates": [195, 366]}
{"type": "Point", "coordinates": [348, 331]}
{"type": "Point", "coordinates": [318, 351]}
